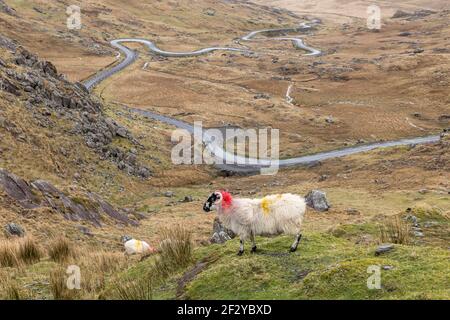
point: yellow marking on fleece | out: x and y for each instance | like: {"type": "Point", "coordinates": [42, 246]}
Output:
{"type": "Point", "coordinates": [265, 204]}
{"type": "Point", "coordinates": [138, 246]}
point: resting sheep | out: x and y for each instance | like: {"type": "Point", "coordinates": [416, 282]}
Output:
{"type": "Point", "coordinates": [271, 215]}
{"type": "Point", "coordinates": [133, 246]}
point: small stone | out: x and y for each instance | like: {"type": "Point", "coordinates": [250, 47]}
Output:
{"type": "Point", "coordinates": [220, 233]}
{"type": "Point", "coordinates": [388, 267]}
{"type": "Point", "coordinates": [13, 229]}
{"type": "Point", "coordinates": [210, 12]}
{"type": "Point", "coordinates": [429, 224]}
{"type": "Point", "coordinates": [352, 211]}
{"type": "Point", "coordinates": [383, 249]}
{"type": "Point", "coordinates": [412, 219]}
{"type": "Point", "coordinates": [423, 191]}
{"type": "Point", "coordinates": [188, 199]}
{"type": "Point", "coordinates": [169, 194]}
{"type": "Point", "coordinates": [418, 234]}
{"type": "Point", "coordinates": [329, 119]}
{"type": "Point", "coordinates": [46, 112]}
{"type": "Point", "coordinates": [261, 96]}
{"type": "Point", "coordinates": [122, 132]}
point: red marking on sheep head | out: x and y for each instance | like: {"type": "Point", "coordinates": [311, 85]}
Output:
{"type": "Point", "coordinates": [226, 199]}
{"type": "Point", "coordinates": [216, 199]}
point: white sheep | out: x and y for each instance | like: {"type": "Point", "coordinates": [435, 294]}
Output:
{"type": "Point", "coordinates": [133, 246]}
{"type": "Point", "coordinates": [271, 215]}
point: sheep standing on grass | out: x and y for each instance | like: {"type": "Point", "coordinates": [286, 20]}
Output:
{"type": "Point", "coordinates": [271, 215]}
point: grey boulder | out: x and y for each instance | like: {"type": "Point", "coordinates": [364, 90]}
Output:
{"type": "Point", "coordinates": [317, 200]}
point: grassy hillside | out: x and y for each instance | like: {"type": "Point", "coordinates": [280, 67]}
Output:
{"type": "Point", "coordinates": [325, 266]}
{"type": "Point", "coordinates": [367, 86]}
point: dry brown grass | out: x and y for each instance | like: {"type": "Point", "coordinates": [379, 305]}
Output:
{"type": "Point", "coordinates": [61, 249]}
{"type": "Point", "coordinates": [8, 254]}
{"type": "Point", "coordinates": [176, 249]}
{"type": "Point", "coordinates": [12, 292]}
{"type": "Point", "coordinates": [29, 251]}
{"type": "Point", "coordinates": [395, 230]}
{"type": "Point", "coordinates": [176, 252]}
{"type": "Point", "coordinates": [9, 289]}
{"type": "Point", "coordinates": [58, 285]}
{"type": "Point", "coordinates": [17, 252]}
{"type": "Point", "coordinates": [95, 268]}
{"type": "Point", "coordinates": [135, 290]}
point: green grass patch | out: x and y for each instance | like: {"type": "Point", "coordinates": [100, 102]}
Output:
{"type": "Point", "coordinates": [324, 267]}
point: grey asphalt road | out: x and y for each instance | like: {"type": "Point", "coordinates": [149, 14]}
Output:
{"type": "Point", "coordinates": [242, 165]}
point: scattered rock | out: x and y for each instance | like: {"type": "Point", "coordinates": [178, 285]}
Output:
{"type": "Point", "coordinates": [261, 96]}
{"type": "Point", "coordinates": [400, 14]}
{"type": "Point", "coordinates": [7, 9]}
{"type": "Point", "coordinates": [18, 189]}
{"type": "Point", "coordinates": [429, 224]}
{"type": "Point", "coordinates": [220, 233]}
{"type": "Point", "coordinates": [352, 211]}
{"type": "Point", "coordinates": [418, 234]}
{"type": "Point", "coordinates": [441, 50]}
{"type": "Point", "coordinates": [169, 194]}
{"type": "Point", "coordinates": [323, 177]}
{"type": "Point", "coordinates": [13, 229]}
{"type": "Point", "coordinates": [84, 207]}
{"type": "Point", "coordinates": [209, 12]}
{"type": "Point", "coordinates": [388, 267]}
{"type": "Point", "coordinates": [42, 88]}
{"type": "Point", "coordinates": [329, 119]}
{"type": "Point", "coordinates": [317, 200]}
{"type": "Point", "coordinates": [39, 10]}
{"type": "Point", "coordinates": [188, 199]}
{"type": "Point", "coordinates": [411, 218]}
{"type": "Point", "coordinates": [418, 14]}
{"type": "Point", "coordinates": [383, 249]}
{"type": "Point", "coordinates": [84, 230]}
{"type": "Point", "coordinates": [405, 34]}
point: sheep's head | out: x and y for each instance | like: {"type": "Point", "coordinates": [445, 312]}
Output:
{"type": "Point", "coordinates": [125, 238]}
{"type": "Point", "coordinates": [216, 199]}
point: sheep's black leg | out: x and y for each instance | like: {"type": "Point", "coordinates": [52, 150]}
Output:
{"type": "Point", "coordinates": [241, 247]}
{"type": "Point", "coordinates": [252, 236]}
{"type": "Point", "coordinates": [296, 242]}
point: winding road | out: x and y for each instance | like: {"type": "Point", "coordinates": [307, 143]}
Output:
{"type": "Point", "coordinates": [246, 165]}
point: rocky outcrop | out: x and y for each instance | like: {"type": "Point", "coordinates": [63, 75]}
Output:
{"type": "Point", "coordinates": [38, 84]}
{"type": "Point", "coordinates": [85, 207]}
{"type": "Point", "coordinates": [418, 14]}
{"type": "Point", "coordinates": [7, 9]}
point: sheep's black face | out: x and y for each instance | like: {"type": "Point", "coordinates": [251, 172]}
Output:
{"type": "Point", "coordinates": [213, 199]}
